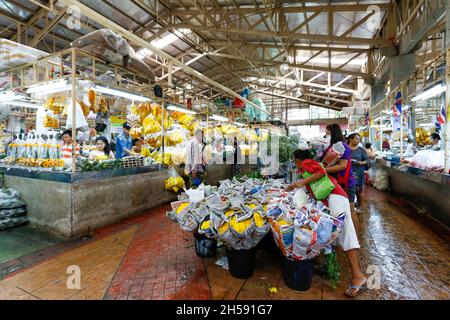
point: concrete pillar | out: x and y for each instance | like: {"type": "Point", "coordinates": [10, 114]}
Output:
{"type": "Point", "coordinates": [377, 94]}
{"type": "Point", "coordinates": [402, 66]}
{"type": "Point", "coordinates": [446, 135]}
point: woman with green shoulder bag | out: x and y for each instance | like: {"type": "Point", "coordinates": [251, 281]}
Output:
{"type": "Point", "coordinates": [326, 189]}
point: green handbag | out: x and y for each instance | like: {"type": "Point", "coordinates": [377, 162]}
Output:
{"type": "Point", "coordinates": [320, 188]}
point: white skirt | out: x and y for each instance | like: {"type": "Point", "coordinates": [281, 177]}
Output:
{"type": "Point", "coordinates": [347, 239]}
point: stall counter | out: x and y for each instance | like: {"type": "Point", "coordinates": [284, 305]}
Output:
{"type": "Point", "coordinates": [429, 190]}
{"type": "Point", "coordinates": [71, 205]}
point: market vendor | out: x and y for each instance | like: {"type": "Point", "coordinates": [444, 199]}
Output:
{"type": "Point", "coordinates": [338, 203]}
{"type": "Point", "coordinates": [195, 163]}
{"type": "Point", "coordinates": [359, 162]}
{"type": "Point", "coordinates": [124, 142]}
{"type": "Point", "coordinates": [435, 139]}
{"type": "Point", "coordinates": [139, 149]}
{"type": "Point", "coordinates": [67, 144]}
{"type": "Point", "coordinates": [102, 151]}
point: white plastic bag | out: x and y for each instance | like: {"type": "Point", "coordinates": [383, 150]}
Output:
{"type": "Point", "coordinates": [195, 195]}
{"type": "Point", "coordinates": [300, 197]}
{"type": "Point", "coordinates": [80, 119]}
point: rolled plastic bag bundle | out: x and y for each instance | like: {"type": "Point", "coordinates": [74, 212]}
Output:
{"type": "Point", "coordinates": [8, 193]}
{"type": "Point", "coordinates": [11, 203]}
{"type": "Point", "coordinates": [105, 44]}
{"type": "Point", "coordinates": [139, 67]}
{"type": "Point", "coordinates": [12, 213]}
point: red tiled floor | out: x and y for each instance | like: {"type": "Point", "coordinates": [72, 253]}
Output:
{"type": "Point", "coordinates": [160, 261]}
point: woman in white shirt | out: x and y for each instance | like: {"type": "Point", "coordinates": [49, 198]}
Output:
{"type": "Point", "coordinates": [103, 150]}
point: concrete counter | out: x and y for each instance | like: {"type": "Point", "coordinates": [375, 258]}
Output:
{"type": "Point", "coordinates": [71, 205]}
{"type": "Point", "coordinates": [429, 190]}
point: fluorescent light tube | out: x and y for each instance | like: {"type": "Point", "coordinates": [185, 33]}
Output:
{"type": "Point", "coordinates": [23, 104]}
{"type": "Point", "coordinates": [173, 108]}
{"type": "Point", "coordinates": [50, 87]}
{"type": "Point", "coordinates": [120, 93]}
{"type": "Point", "coordinates": [432, 92]}
{"type": "Point", "coordinates": [218, 118]}
{"type": "Point", "coordinates": [9, 96]}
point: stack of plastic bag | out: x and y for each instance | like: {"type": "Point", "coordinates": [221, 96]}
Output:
{"type": "Point", "coordinates": [302, 232]}
{"type": "Point", "coordinates": [12, 209]}
{"type": "Point", "coordinates": [241, 212]}
{"type": "Point", "coordinates": [429, 160]}
{"type": "Point", "coordinates": [381, 180]}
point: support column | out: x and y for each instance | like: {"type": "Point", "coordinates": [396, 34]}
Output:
{"type": "Point", "coordinates": [446, 136]}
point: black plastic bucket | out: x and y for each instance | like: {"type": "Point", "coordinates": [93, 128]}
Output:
{"type": "Point", "coordinates": [241, 263]}
{"type": "Point", "coordinates": [205, 247]}
{"type": "Point", "coordinates": [269, 245]}
{"type": "Point", "coordinates": [298, 274]}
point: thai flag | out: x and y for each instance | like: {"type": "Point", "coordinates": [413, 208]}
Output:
{"type": "Point", "coordinates": [397, 107]}
{"type": "Point", "coordinates": [367, 118]}
{"type": "Point", "coordinates": [442, 115]}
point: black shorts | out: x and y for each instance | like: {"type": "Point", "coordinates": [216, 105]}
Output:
{"type": "Point", "coordinates": [351, 192]}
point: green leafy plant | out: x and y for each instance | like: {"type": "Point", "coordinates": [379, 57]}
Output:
{"type": "Point", "coordinates": [254, 174]}
{"type": "Point", "coordinates": [286, 146]}
{"type": "Point", "coordinates": [87, 165]}
{"type": "Point", "coordinates": [333, 269]}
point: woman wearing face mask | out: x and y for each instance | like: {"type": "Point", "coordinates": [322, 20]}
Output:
{"type": "Point", "coordinates": [342, 169]}
{"type": "Point", "coordinates": [359, 162]}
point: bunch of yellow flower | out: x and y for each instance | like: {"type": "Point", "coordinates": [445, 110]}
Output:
{"type": "Point", "coordinates": [174, 184]}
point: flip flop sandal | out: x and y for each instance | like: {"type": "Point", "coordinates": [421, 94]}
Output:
{"type": "Point", "coordinates": [360, 289]}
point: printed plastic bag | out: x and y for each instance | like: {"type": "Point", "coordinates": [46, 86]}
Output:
{"type": "Point", "coordinates": [334, 154]}
{"type": "Point", "coordinates": [188, 223]}
{"type": "Point", "coordinates": [300, 197]}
